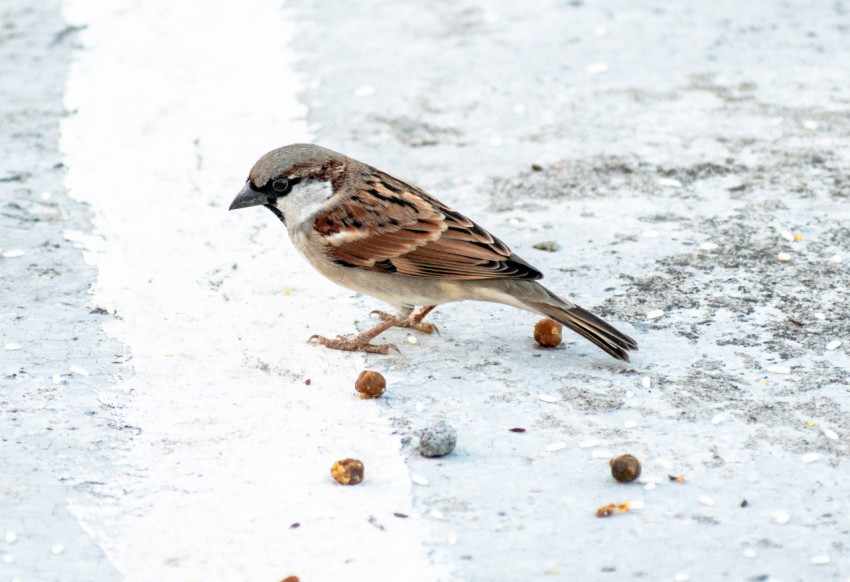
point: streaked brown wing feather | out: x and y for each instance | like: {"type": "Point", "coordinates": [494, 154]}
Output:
{"type": "Point", "coordinates": [391, 226]}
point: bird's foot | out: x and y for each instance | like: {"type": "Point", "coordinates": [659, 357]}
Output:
{"type": "Point", "coordinates": [361, 341]}
{"type": "Point", "coordinates": [413, 321]}
{"type": "Point", "coordinates": [351, 345]}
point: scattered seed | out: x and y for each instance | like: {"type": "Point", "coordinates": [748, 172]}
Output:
{"type": "Point", "coordinates": [412, 340]}
{"type": "Point", "coordinates": [596, 68]}
{"type": "Point", "coordinates": [835, 258]}
{"type": "Point", "coordinates": [720, 418]}
{"type": "Point", "coordinates": [810, 457]}
{"type": "Point", "coordinates": [56, 378]}
{"type": "Point", "coordinates": [682, 577]}
{"type": "Point", "coordinates": [601, 454]}
{"type": "Point", "coordinates": [547, 332]}
{"type": "Point", "coordinates": [669, 183]}
{"type": "Point", "coordinates": [370, 384]}
{"type": "Point", "coordinates": [612, 508]}
{"type": "Point", "coordinates": [646, 381]}
{"type": "Point", "coordinates": [650, 486]}
{"type": "Point", "coordinates": [795, 321]}
{"type": "Point", "coordinates": [549, 246]}
{"type": "Point", "coordinates": [11, 537]}
{"type": "Point", "coordinates": [787, 235]}
{"type": "Point", "coordinates": [348, 471]}
{"type": "Point", "coordinates": [781, 517]}
{"type": "Point", "coordinates": [798, 237]}
{"type": "Point", "coordinates": [625, 468]}
{"type": "Point", "coordinates": [677, 478]}
{"type": "Point", "coordinates": [819, 316]}
{"type": "Point", "coordinates": [78, 370]}
{"type": "Point", "coordinates": [705, 500]}
{"type": "Point", "coordinates": [556, 446]}
{"type": "Point", "coordinates": [654, 314]}
{"type": "Point", "coordinates": [821, 560]}
{"type": "Point", "coordinates": [783, 257]}
{"type": "Point", "coordinates": [749, 553]}
{"type": "Point", "coordinates": [664, 463]}
{"type": "Point", "coordinates": [452, 539]}
{"type": "Point", "coordinates": [629, 424]}
{"type": "Point", "coordinates": [438, 440]}
{"type": "Point", "coordinates": [588, 444]}
{"type": "Point", "coordinates": [810, 124]}
{"type": "Point", "coordinates": [364, 91]}
{"type": "Point", "coordinates": [516, 429]}
{"type": "Point", "coordinates": [709, 246]}
{"type": "Point", "coordinates": [649, 234]}
{"type": "Point", "coordinates": [419, 480]}
{"type": "Point", "coordinates": [830, 434]}
{"type": "Point", "coordinates": [547, 398]}
{"type": "Point", "coordinates": [12, 347]}
{"type": "Point", "coordinates": [400, 515]}
{"type": "Point", "coordinates": [833, 345]}
{"type": "Point", "coordinates": [436, 514]}
{"type": "Point", "coordinates": [15, 253]}
{"type": "Point", "coordinates": [57, 548]}
{"type": "Point", "coordinates": [778, 369]}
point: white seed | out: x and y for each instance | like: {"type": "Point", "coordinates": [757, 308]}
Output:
{"type": "Point", "coordinates": [810, 124]}
{"type": "Point", "coordinates": [778, 369]}
{"type": "Point", "coordinates": [650, 234]}
{"type": "Point", "coordinates": [650, 486]}
{"type": "Point", "coordinates": [833, 345]}
{"type": "Point", "coordinates": [781, 516]}
{"type": "Point", "coordinates": [602, 454]}
{"type": "Point", "coordinates": [8, 558]}
{"type": "Point", "coordinates": [12, 347]}
{"type": "Point", "coordinates": [783, 257]}
{"type": "Point", "coordinates": [682, 577]}
{"type": "Point", "coordinates": [436, 514]}
{"type": "Point", "coordinates": [629, 424]}
{"type": "Point", "coordinates": [452, 539]}
{"type": "Point", "coordinates": [411, 339]}
{"type": "Point", "coordinates": [364, 91]}
{"type": "Point", "coordinates": [810, 457]}
{"type": "Point", "coordinates": [835, 258]}
{"type": "Point", "coordinates": [669, 182]}
{"type": "Point", "coordinates": [596, 68]}
{"type": "Point", "coordinates": [787, 235]}
{"type": "Point", "coordinates": [820, 316]}
{"type": "Point", "coordinates": [664, 463]}
{"type": "Point", "coordinates": [588, 444]}
{"type": "Point", "coordinates": [56, 378]}
{"type": "Point", "coordinates": [636, 504]}
{"type": "Point", "coordinates": [720, 418]}
{"type": "Point", "coordinates": [11, 537]}
{"type": "Point", "coordinates": [547, 398]}
{"type": "Point", "coordinates": [749, 553]}
{"type": "Point", "coordinates": [57, 548]}
{"type": "Point", "coordinates": [419, 480]}
{"type": "Point", "coordinates": [830, 434]}
{"type": "Point", "coordinates": [13, 254]}
{"type": "Point", "coordinates": [556, 446]}
{"type": "Point", "coordinates": [705, 500]}
{"type": "Point", "coordinates": [654, 314]}
{"type": "Point", "coordinates": [519, 108]}
{"type": "Point", "coordinates": [646, 381]}
{"type": "Point", "coordinates": [709, 246]}
{"type": "Point", "coordinates": [78, 370]}
{"type": "Point", "coordinates": [821, 560]}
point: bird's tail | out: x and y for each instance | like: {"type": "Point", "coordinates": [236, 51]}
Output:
{"type": "Point", "coordinates": [589, 326]}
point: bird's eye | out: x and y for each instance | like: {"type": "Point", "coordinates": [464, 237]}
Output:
{"type": "Point", "coordinates": [281, 186]}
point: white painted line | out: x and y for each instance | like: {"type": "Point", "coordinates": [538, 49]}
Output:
{"type": "Point", "coordinates": [173, 102]}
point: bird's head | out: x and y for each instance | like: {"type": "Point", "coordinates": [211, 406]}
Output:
{"type": "Point", "coordinates": [293, 181]}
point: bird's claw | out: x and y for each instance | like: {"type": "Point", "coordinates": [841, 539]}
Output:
{"type": "Point", "coordinates": [351, 345]}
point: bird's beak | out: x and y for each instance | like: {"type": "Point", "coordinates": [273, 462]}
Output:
{"type": "Point", "coordinates": [248, 197]}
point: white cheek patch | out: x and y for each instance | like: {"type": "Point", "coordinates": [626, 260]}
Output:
{"type": "Point", "coordinates": [306, 198]}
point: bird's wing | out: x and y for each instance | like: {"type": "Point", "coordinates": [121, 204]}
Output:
{"type": "Point", "coordinates": [390, 226]}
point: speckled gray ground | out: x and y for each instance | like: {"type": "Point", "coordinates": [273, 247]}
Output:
{"type": "Point", "coordinates": [54, 435]}
{"type": "Point", "coordinates": [746, 108]}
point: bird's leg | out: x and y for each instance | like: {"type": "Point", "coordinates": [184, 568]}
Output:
{"type": "Point", "coordinates": [361, 341]}
{"type": "Point", "coordinates": [414, 320]}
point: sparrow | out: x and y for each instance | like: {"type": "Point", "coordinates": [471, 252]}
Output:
{"type": "Point", "coordinates": [381, 236]}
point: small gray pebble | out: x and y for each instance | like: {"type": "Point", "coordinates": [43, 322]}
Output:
{"type": "Point", "coordinates": [547, 245]}
{"type": "Point", "coordinates": [437, 440]}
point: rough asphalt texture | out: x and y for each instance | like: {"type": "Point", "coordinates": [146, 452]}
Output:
{"type": "Point", "coordinates": [630, 135]}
